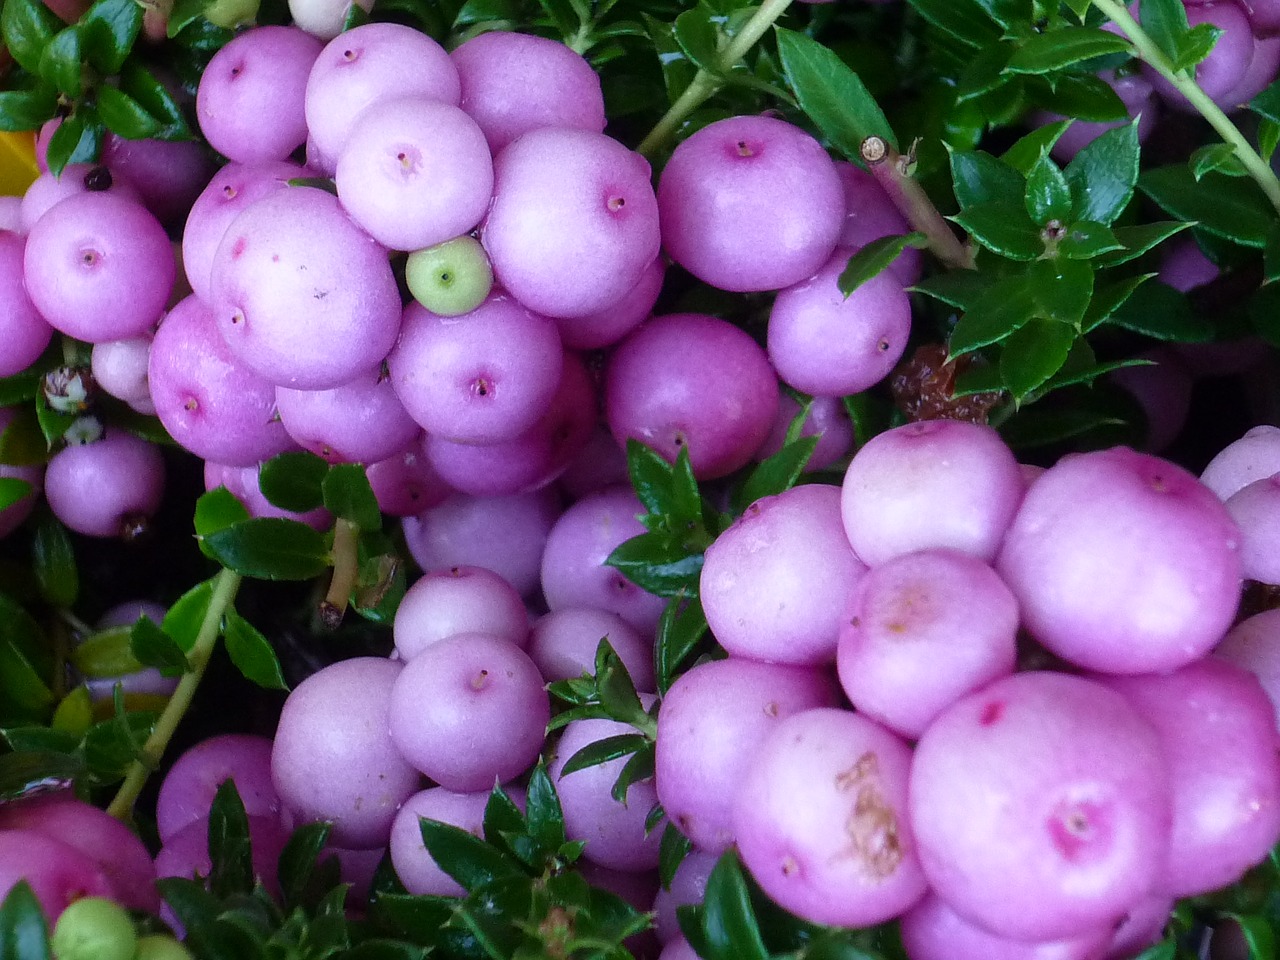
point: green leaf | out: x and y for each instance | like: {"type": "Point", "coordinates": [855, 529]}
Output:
{"type": "Point", "coordinates": [186, 615]}
{"type": "Point", "coordinates": [124, 116]}
{"type": "Point", "coordinates": [153, 647]}
{"type": "Point", "coordinates": [1063, 289]}
{"type": "Point", "coordinates": [1055, 49]}
{"type": "Point", "coordinates": [230, 851]}
{"type": "Point", "coordinates": [111, 746]}
{"type": "Point", "coordinates": [270, 548]}
{"type": "Point", "coordinates": [27, 109]}
{"type": "Point", "coordinates": [780, 472]}
{"type": "Point", "coordinates": [603, 751]}
{"type": "Point", "coordinates": [252, 653]}
{"type": "Point", "coordinates": [956, 288]}
{"type": "Point", "coordinates": [12, 490]}
{"type": "Point", "coordinates": [1087, 239]}
{"type": "Point", "coordinates": [1103, 174]}
{"type": "Point", "coordinates": [143, 86]}
{"type": "Point", "coordinates": [985, 72]}
{"type": "Point", "coordinates": [1216, 158]}
{"type": "Point", "coordinates": [60, 63]}
{"type": "Point", "coordinates": [1082, 96]}
{"type": "Point", "coordinates": [1032, 354]}
{"type": "Point", "coordinates": [1107, 300]}
{"type": "Point", "coordinates": [481, 11]}
{"type": "Point", "coordinates": [78, 139]}
{"type": "Point", "coordinates": [1140, 239]}
{"type": "Point", "coordinates": [832, 95]}
{"type": "Point", "coordinates": [614, 687]}
{"type": "Point", "coordinates": [29, 772]}
{"type": "Point", "coordinates": [27, 26]}
{"type": "Point", "coordinates": [1228, 207]}
{"type": "Point", "coordinates": [1005, 306]}
{"type": "Point", "coordinates": [298, 861]}
{"type": "Point", "coordinates": [672, 849]}
{"type": "Point", "coordinates": [294, 481]}
{"type": "Point", "coordinates": [1165, 21]}
{"type": "Point", "coordinates": [54, 561]}
{"type": "Point", "coordinates": [106, 653]}
{"type": "Point", "coordinates": [1048, 197]}
{"type": "Point", "coordinates": [698, 37]}
{"type": "Point", "coordinates": [874, 258]}
{"type": "Point", "coordinates": [24, 933]}
{"type": "Point", "coordinates": [638, 768]}
{"type": "Point", "coordinates": [24, 664]}
{"type": "Point", "coordinates": [979, 178]}
{"type": "Point", "coordinates": [1264, 313]}
{"type": "Point", "coordinates": [1268, 138]}
{"type": "Point", "coordinates": [217, 509]}
{"type": "Point", "coordinates": [467, 859]}
{"type": "Point", "coordinates": [347, 494]}
{"type": "Point", "coordinates": [1164, 314]}
{"type": "Point", "coordinates": [1267, 103]}
{"type": "Point", "coordinates": [659, 563]}
{"type": "Point", "coordinates": [21, 443]}
{"type": "Point", "coordinates": [36, 738]}
{"type": "Point", "coordinates": [729, 923]}
{"type": "Point", "coordinates": [681, 627]}
{"type": "Point", "coordinates": [110, 28]}
{"type": "Point", "coordinates": [1197, 43]}
{"type": "Point", "coordinates": [1271, 256]}
{"type": "Point", "coordinates": [1002, 228]}
{"type": "Point", "coordinates": [962, 19]}
{"type": "Point", "coordinates": [1258, 934]}
{"type": "Point", "coordinates": [546, 819]}
{"type": "Point", "coordinates": [1024, 154]}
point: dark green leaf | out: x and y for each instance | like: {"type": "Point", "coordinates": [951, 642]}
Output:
{"type": "Point", "coordinates": [831, 94]}
{"type": "Point", "coordinates": [54, 561]}
{"type": "Point", "coordinates": [1079, 95]}
{"type": "Point", "coordinates": [347, 494]}
{"type": "Point", "coordinates": [112, 745]}
{"type": "Point", "coordinates": [1271, 256]}
{"type": "Point", "coordinates": [1268, 138]}
{"type": "Point", "coordinates": [1216, 158]}
{"type": "Point", "coordinates": [1228, 207]}
{"type": "Point", "coordinates": [672, 849]}
{"type": "Point", "coordinates": [25, 664]}
{"type": "Point", "coordinates": [956, 288]}
{"type": "Point", "coordinates": [1102, 175]}
{"type": "Point", "coordinates": [614, 687]}
{"type": "Point", "coordinates": [686, 500]}
{"type": "Point", "coordinates": [216, 510]}
{"type": "Point", "coordinates": [34, 738]}
{"type": "Point", "coordinates": [155, 648]}
{"type": "Point", "coordinates": [780, 472]}
{"type": "Point", "coordinates": [186, 615]}
{"type": "Point", "coordinates": [26, 109]}
{"type": "Point", "coordinates": [230, 852]}
{"type": "Point", "coordinates": [1164, 314]}
{"type": "Point", "coordinates": [698, 38]}
{"type": "Point", "coordinates": [638, 768]}
{"type": "Point", "coordinates": [1087, 239]}
{"type": "Point", "coordinates": [27, 26]}
{"type": "Point", "coordinates": [604, 750]}
{"type": "Point", "coordinates": [659, 563]}
{"type": "Point", "coordinates": [546, 820]}
{"type": "Point", "coordinates": [1023, 154]}
{"type": "Point", "coordinates": [652, 478]}
{"type": "Point", "coordinates": [124, 116]}
{"type": "Point", "coordinates": [962, 19]}
{"type": "Point", "coordinates": [1032, 354]}
{"type": "Point", "coordinates": [1165, 950]}
{"type": "Point", "coordinates": [294, 481]}
{"type": "Point", "coordinates": [78, 139]}
{"type": "Point", "coordinates": [677, 71]}
{"type": "Point", "coordinates": [1258, 934]}
{"type": "Point", "coordinates": [29, 772]}
{"type": "Point", "coordinates": [139, 83]}
{"type": "Point", "coordinates": [21, 442]}
{"type": "Point", "coordinates": [682, 625]}
{"type": "Point", "coordinates": [12, 490]}
{"type": "Point", "coordinates": [1055, 49]}
{"type": "Point", "coordinates": [1063, 289]}
{"type": "Point", "coordinates": [728, 919]}
{"type": "Point", "coordinates": [106, 653]}
{"type": "Point", "coordinates": [1267, 103]}
{"type": "Point", "coordinates": [110, 28]}
{"type": "Point", "coordinates": [1003, 228]}
{"type": "Point", "coordinates": [60, 63]}
{"type": "Point", "coordinates": [875, 257]}
{"type": "Point", "coordinates": [270, 548]}
{"type": "Point", "coordinates": [1107, 299]}
{"type": "Point", "coordinates": [979, 178]}
{"type": "Point", "coordinates": [1007, 304]}
{"type": "Point", "coordinates": [1197, 43]}
{"type": "Point", "coordinates": [1139, 239]}
{"type": "Point", "coordinates": [468, 859]}
{"type": "Point", "coordinates": [985, 72]}
{"type": "Point", "coordinates": [481, 11]}
{"type": "Point", "coordinates": [252, 653]}
{"type": "Point", "coordinates": [1048, 197]}
{"type": "Point", "coordinates": [1165, 21]}
{"type": "Point", "coordinates": [24, 932]}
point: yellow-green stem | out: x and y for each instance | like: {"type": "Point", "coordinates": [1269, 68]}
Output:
{"type": "Point", "coordinates": [225, 586]}
{"type": "Point", "coordinates": [1150, 53]}
{"type": "Point", "coordinates": [345, 567]}
{"type": "Point", "coordinates": [705, 82]}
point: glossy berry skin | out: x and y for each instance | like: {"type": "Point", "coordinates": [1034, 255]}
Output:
{"type": "Point", "coordinates": [871, 214]}
{"type": "Point", "coordinates": [416, 868]}
{"type": "Point", "coordinates": [931, 930]}
{"type": "Point", "coordinates": [99, 267]}
{"type": "Point", "coordinates": [1254, 644]}
{"type": "Point", "coordinates": [49, 190]}
{"type": "Point", "coordinates": [460, 599]}
{"type": "Point", "coordinates": [188, 789]}
{"type": "Point", "coordinates": [515, 82]}
{"type": "Point", "coordinates": [1256, 511]}
{"type": "Point", "coordinates": [1169, 589]}
{"type": "Point", "coordinates": [1041, 806]}
{"type": "Point", "coordinates": [820, 818]}
{"type": "Point", "coordinates": [1255, 456]}
{"type": "Point", "coordinates": [563, 645]}
{"type": "Point", "coordinates": [333, 757]}
{"type": "Point", "coordinates": [23, 331]}
{"type": "Point", "coordinates": [406, 484]}
{"type": "Point", "coordinates": [573, 223]}
{"type": "Point", "coordinates": [58, 874]}
{"type": "Point", "coordinates": [120, 368]}
{"type": "Point", "coordinates": [360, 421]}
{"type": "Point", "coordinates": [103, 489]}
{"type": "Point", "coordinates": [695, 381]}
{"type": "Point", "coordinates": [750, 203]}
{"type": "Point", "coordinates": [292, 278]}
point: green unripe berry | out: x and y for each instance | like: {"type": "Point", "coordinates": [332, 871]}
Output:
{"type": "Point", "coordinates": [158, 946]}
{"type": "Point", "coordinates": [451, 278]}
{"type": "Point", "coordinates": [231, 13]}
{"type": "Point", "coordinates": [94, 928]}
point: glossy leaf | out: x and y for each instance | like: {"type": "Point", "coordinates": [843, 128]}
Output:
{"type": "Point", "coordinates": [682, 626]}
{"type": "Point", "coordinates": [1062, 289]}
{"type": "Point", "coordinates": [603, 751]}
{"type": "Point", "coordinates": [1048, 197]}
{"type": "Point", "coordinates": [153, 647]}
{"type": "Point", "coordinates": [26, 27]}
{"type": "Point", "coordinates": [124, 116]}
{"type": "Point", "coordinates": [24, 932]}
{"type": "Point", "coordinates": [1107, 300]}
{"type": "Point", "coordinates": [230, 851]}
{"type": "Point", "coordinates": [672, 849]}
{"type": "Point", "coordinates": [780, 472]}
{"type": "Point", "coordinates": [13, 489]}
{"type": "Point", "coordinates": [1163, 314]}
{"type": "Point", "coordinates": [270, 548]}
{"type": "Point", "coordinates": [1008, 304]}
{"type": "Point", "coordinates": [106, 653]}
{"type": "Point", "coordinates": [698, 37]}
{"type": "Point", "coordinates": [1197, 43]}
{"type": "Point", "coordinates": [831, 93]}
{"type": "Point", "coordinates": [347, 494]}
{"type": "Point", "coordinates": [980, 178]}
{"type": "Point", "coordinates": [1079, 95]}
{"type": "Point", "coordinates": [1087, 239]}
{"type": "Point", "coordinates": [216, 510]}
{"type": "Point", "coordinates": [110, 28]}
{"type": "Point", "coordinates": [294, 481]}
{"type": "Point", "coordinates": [26, 109]}
{"type": "Point", "coordinates": [659, 563]}
{"type": "Point", "coordinates": [1103, 174]}
{"type": "Point", "coordinates": [873, 258]}
{"type": "Point", "coordinates": [1003, 228]}
{"type": "Point", "coordinates": [1026, 151]}
{"type": "Point", "coordinates": [1034, 353]}
{"type": "Point", "coordinates": [60, 64]}
{"type": "Point", "coordinates": [152, 95]}
{"type": "Point", "coordinates": [466, 858]}
{"type": "Point", "coordinates": [1165, 21]}
{"type": "Point", "coordinates": [28, 772]}
{"type": "Point", "coordinates": [186, 615]}
{"type": "Point", "coordinates": [252, 653]}
{"type": "Point", "coordinates": [1228, 207]}
{"type": "Point", "coordinates": [54, 563]}
{"type": "Point", "coordinates": [1216, 158]}
{"type": "Point", "coordinates": [1139, 239]}
{"type": "Point", "coordinates": [1055, 49]}
{"type": "Point", "coordinates": [964, 20]}
{"type": "Point", "coordinates": [729, 923]}
{"type": "Point", "coordinates": [546, 819]}
{"type": "Point", "coordinates": [111, 746]}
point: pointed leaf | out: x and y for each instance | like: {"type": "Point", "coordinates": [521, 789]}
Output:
{"type": "Point", "coordinates": [294, 481]}
{"type": "Point", "coordinates": [1008, 304]}
{"type": "Point", "coordinates": [1165, 21]}
{"type": "Point", "coordinates": [546, 820]}
{"type": "Point", "coordinates": [252, 653]}
{"type": "Point", "coordinates": [270, 548]}
{"type": "Point", "coordinates": [682, 626]}
{"type": "Point", "coordinates": [1063, 289]}
{"type": "Point", "coordinates": [1140, 239]}
{"type": "Point", "coordinates": [1216, 158]}
{"type": "Point", "coordinates": [1023, 154]}
{"type": "Point", "coordinates": [186, 615]}
{"type": "Point", "coordinates": [1164, 314]}
{"type": "Point", "coordinates": [962, 19]}
{"type": "Point", "coordinates": [216, 510]}
{"type": "Point", "coordinates": [672, 849]}
{"type": "Point", "coordinates": [22, 110]}
{"type": "Point", "coordinates": [78, 139]}
{"type": "Point", "coordinates": [729, 921]}
{"type": "Point", "coordinates": [60, 63]}
{"type": "Point", "coordinates": [466, 858]}
{"type": "Point", "coordinates": [54, 562]}
{"type": "Point", "coordinates": [780, 472]}
{"type": "Point", "coordinates": [230, 853]}
{"type": "Point", "coordinates": [12, 490]}
{"type": "Point", "coordinates": [26, 27]}
{"type": "Point", "coordinates": [1048, 197]}
{"type": "Point", "coordinates": [980, 178]}
{"type": "Point", "coordinates": [1087, 239]}
{"type": "Point", "coordinates": [604, 750]}
{"type": "Point", "coordinates": [1034, 353]}
{"type": "Point", "coordinates": [124, 116]}
{"type": "Point", "coordinates": [1103, 174]}
{"type": "Point", "coordinates": [110, 28]}
{"type": "Point", "coordinates": [1003, 228]}
{"type": "Point", "coordinates": [875, 257]}
{"type": "Point", "coordinates": [1196, 44]}
{"type": "Point", "coordinates": [298, 860]}
{"type": "Point", "coordinates": [831, 93]}
{"type": "Point", "coordinates": [1228, 207]}
{"type": "Point", "coordinates": [1055, 49]}
{"type": "Point", "coordinates": [658, 563]}
{"type": "Point", "coordinates": [1107, 300]}
{"type": "Point", "coordinates": [152, 647]}
{"type": "Point", "coordinates": [24, 932]}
